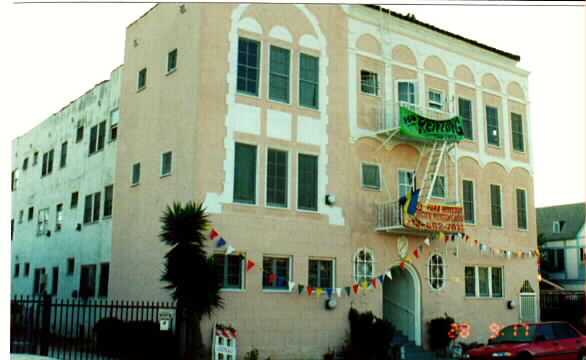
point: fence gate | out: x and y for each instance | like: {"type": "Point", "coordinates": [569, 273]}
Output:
{"type": "Point", "coordinates": [86, 329]}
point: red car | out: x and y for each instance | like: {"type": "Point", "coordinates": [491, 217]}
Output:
{"type": "Point", "coordinates": [543, 341]}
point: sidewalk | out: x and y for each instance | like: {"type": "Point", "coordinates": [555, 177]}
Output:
{"type": "Point", "coordinates": [30, 357]}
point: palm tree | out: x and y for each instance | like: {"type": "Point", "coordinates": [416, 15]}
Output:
{"type": "Point", "coordinates": [192, 277]}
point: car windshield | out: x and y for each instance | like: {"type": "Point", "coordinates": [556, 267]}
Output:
{"type": "Point", "coordinates": [515, 333]}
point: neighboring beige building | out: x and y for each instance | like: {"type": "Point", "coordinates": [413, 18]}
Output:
{"type": "Point", "coordinates": [262, 110]}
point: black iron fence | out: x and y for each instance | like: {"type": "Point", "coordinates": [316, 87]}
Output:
{"type": "Point", "coordinates": [564, 305]}
{"type": "Point", "coordinates": [76, 329]}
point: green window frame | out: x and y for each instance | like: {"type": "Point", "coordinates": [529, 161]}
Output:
{"type": "Point", "coordinates": [309, 81]}
{"type": "Point", "coordinates": [468, 201]}
{"type": "Point", "coordinates": [521, 195]}
{"type": "Point", "coordinates": [517, 132]}
{"type": "Point", "coordinates": [465, 112]}
{"type": "Point", "coordinates": [231, 270]}
{"type": "Point", "coordinates": [321, 273]}
{"type": "Point", "coordinates": [307, 182]}
{"type": "Point", "coordinates": [280, 61]}
{"type": "Point", "coordinates": [370, 176]}
{"type": "Point", "coordinates": [279, 266]}
{"type": "Point", "coordinates": [492, 126]}
{"type": "Point", "coordinates": [277, 186]}
{"type": "Point", "coordinates": [496, 205]}
{"type": "Point", "coordinates": [245, 174]}
{"type": "Point", "coordinates": [248, 66]}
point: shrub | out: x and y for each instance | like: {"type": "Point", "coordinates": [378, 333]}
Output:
{"type": "Point", "coordinates": [438, 331]}
{"type": "Point", "coordinates": [369, 338]}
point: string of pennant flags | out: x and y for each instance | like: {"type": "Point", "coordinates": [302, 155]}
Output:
{"type": "Point", "coordinates": [372, 283]}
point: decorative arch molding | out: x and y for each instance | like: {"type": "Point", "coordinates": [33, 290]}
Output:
{"type": "Point", "coordinates": [369, 43]}
{"type": "Point", "coordinates": [484, 160]}
{"type": "Point", "coordinates": [412, 271]}
{"type": "Point", "coordinates": [309, 41]}
{"type": "Point", "coordinates": [514, 89]}
{"type": "Point", "coordinates": [463, 73]}
{"type": "Point", "coordinates": [434, 64]}
{"type": "Point", "coordinates": [281, 33]}
{"type": "Point", "coordinates": [250, 24]}
{"type": "Point", "coordinates": [490, 81]}
{"type": "Point", "coordinates": [403, 54]}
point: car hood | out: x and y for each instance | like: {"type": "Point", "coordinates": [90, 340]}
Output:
{"type": "Point", "coordinates": [489, 349]}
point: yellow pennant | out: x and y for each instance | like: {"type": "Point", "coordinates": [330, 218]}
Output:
{"type": "Point", "coordinates": [318, 291]}
{"type": "Point", "coordinates": [364, 284]}
{"type": "Point", "coordinates": [409, 259]}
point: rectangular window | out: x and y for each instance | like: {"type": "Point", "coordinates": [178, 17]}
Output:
{"type": "Point", "coordinates": [20, 216]}
{"type": "Point", "coordinates": [279, 74]}
{"type": "Point", "coordinates": [104, 276]}
{"type": "Point", "coordinates": [70, 266]}
{"type": "Point", "coordinates": [435, 100]}
{"type": "Point", "coordinates": [439, 187]}
{"type": "Point", "coordinates": [93, 146]}
{"type": "Point", "coordinates": [245, 174]}
{"type": "Point", "coordinates": [63, 160]}
{"type": "Point", "coordinates": [492, 126]}
{"type": "Point", "coordinates": [370, 176]}
{"type": "Point", "coordinates": [307, 182]}
{"type": "Point", "coordinates": [275, 273]}
{"type": "Point", "coordinates": [35, 158]}
{"type": "Point", "coordinates": [231, 269]}
{"type": "Point", "coordinates": [87, 281]}
{"type": "Point", "coordinates": [369, 82]}
{"type": "Point", "coordinates": [321, 273]}
{"type": "Point", "coordinates": [407, 182]}
{"type": "Point", "coordinates": [47, 167]}
{"type": "Point", "coordinates": [553, 260]}
{"type": "Point", "coordinates": [96, 215]}
{"type": "Point", "coordinates": [101, 135]}
{"type": "Point", "coordinates": [582, 255]}
{"type": "Point", "coordinates": [27, 269]}
{"type": "Point", "coordinates": [309, 81]}
{"type": "Point", "coordinates": [172, 61]}
{"type": "Point", "coordinates": [59, 217]}
{"type": "Point", "coordinates": [406, 92]}
{"type": "Point", "coordinates": [483, 281]}
{"type": "Point", "coordinates": [87, 210]}
{"type": "Point", "coordinates": [142, 78]}
{"type": "Point", "coordinates": [468, 201]}
{"type": "Point", "coordinates": [108, 197]}
{"type": "Point", "coordinates": [50, 162]}
{"type": "Point", "coordinates": [16, 270]}
{"type": "Point", "coordinates": [25, 164]}
{"type": "Point", "coordinates": [39, 281]}
{"type": "Point", "coordinates": [55, 281]}
{"type": "Point", "coordinates": [495, 205]}
{"type": "Point", "coordinates": [517, 131]}
{"type": "Point", "coordinates": [135, 176]}
{"type": "Point", "coordinates": [248, 66]}
{"type": "Point", "coordinates": [166, 163]}
{"type": "Point", "coordinates": [521, 209]}
{"type": "Point", "coordinates": [43, 221]}
{"type": "Point", "coordinates": [465, 112]}
{"type": "Point", "coordinates": [14, 180]}
{"type": "Point", "coordinates": [79, 134]}
{"type": "Point", "coordinates": [74, 199]}
{"type": "Point", "coordinates": [31, 213]}
{"type": "Point", "coordinates": [114, 119]}
{"type": "Point", "coordinates": [277, 186]}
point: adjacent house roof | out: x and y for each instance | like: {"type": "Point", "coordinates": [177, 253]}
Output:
{"type": "Point", "coordinates": [572, 215]}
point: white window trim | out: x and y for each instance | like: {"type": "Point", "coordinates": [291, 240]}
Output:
{"type": "Point", "coordinates": [473, 199]}
{"type": "Point", "coordinates": [471, 116]}
{"type": "Point", "coordinates": [399, 179]}
{"type": "Point", "coordinates": [290, 74]}
{"type": "Point", "coordinates": [477, 282]}
{"type": "Point", "coordinates": [431, 102]}
{"type": "Point", "coordinates": [526, 209]}
{"type": "Point", "coordinates": [260, 67]}
{"type": "Point", "coordinates": [290, 273]}
{"type": "Point", "coordinates": [242, 273]}
{"type": "Point", "coordinates": [355, 262]}
{"type": "Point", "coordinates": [167, 70]}
{"type": "Point", "coordinates": [501, 207]}
{"type": "Point", "coordinates": [444, 266]}
{"type": "Point", "coordinates": [289, 168]}
{"type": "Point", "coordinates": [522, 133]}
{"type": "Point", "coordinates": [319, 80]}
{"type": "Point", "coordinates": [377, 89]}
{"type": "Point", "coordinates": [321, 258]}
{"type": "Point", "coordinates": [498, 125]}
{"type": "Point", "coordinates": [297, 182]}
{"type": "Point", "coordinates": [132, 183]}
{"type": "Point", "coordinates": [171, 168]}
{"type": "Point", "coordinates": [380, 183]}
{"type": "Point", "coordinates": [256, 176]}
{"type": "Point", "coordinates": [396, 90]}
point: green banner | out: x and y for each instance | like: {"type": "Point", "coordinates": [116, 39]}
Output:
{"type": "Point", "coordinates": [420, 127]}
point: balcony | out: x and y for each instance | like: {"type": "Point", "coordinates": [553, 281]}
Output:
{"type": "Point", "coordinates": [389, 218]}
{"type": "Point", "coordinates": [388, 118]}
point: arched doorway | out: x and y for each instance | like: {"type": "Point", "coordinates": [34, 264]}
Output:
{"type": "Point", "coordinates": [402, 301]}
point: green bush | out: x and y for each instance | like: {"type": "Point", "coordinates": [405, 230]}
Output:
{"type": "Point", "coordinates": [369, 338]}
{"type": "Point", "coordinates": [438, 331]}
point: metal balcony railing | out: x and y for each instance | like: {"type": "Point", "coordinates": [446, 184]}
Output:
{"type": "Point", "coordinates": [387, 114]}
{"type": "Point", "coordinates": [389, 216]}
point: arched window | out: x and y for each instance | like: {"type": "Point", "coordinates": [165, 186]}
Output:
{"type": "Point", "coordinates": [436, 271]}
{"type": "Point", "coordinates": [363, 265]}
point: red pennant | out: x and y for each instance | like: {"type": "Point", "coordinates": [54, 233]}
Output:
{"type": "Point", "coordinates": [355, 287]}
{"type": "Point", "coordinates": [272, 278]}
{"type": "Point", "coordinates": [416, 253]}
{"type": "Point", "coordinates": [249, 265]}
{"type": "Point", "coordinates": [373, 281]}
{"type": "Point", "coordinates": [309, 290]}
{"type": "Point", "coordinates": [214, 234]}
{"type": "Point", "coordinates": [402, 265]}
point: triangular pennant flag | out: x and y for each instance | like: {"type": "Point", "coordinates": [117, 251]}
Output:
{"type": "Point", "coordinates": [402, 265]}
{"type": "Point", "coordinates": [381, 278]}
{"type": "Point", "coordinates": [427, 242]}
{"type": "Point", "coordinates": [409, 259]}
{"type": "Point", "coordinates": [442, 236]}
{"type": "Point", "coordinates": [329, 292]}
{"type": "Point", "coordinates": [347, 288]}
{"type": "Point", "coordinates": [221, 242]}
{"type": "Point", "coordinates": [318, 291]}
{"type": "Point", "coordinates": [207, 226]}
{"type": "Point", "coordinates": [356, 287]}
{"type": "Point", "coordinates": [338, 292]}
{"type": "Point", "coordinates": [467, 237]}
{"type": "Point", "coordinates": [309, 290]}
{"type": "Point", "coordinates": [389, 275]}
{"type": "Point", "coordinates": [364, 284]}
{"type": "Point", "coordinates": [416, 253]}
{"type": "Point", "coordinates": [300, 288]}
{"type": "Point", "coordinates": [249, 265]}
{"type": "Point", "coordinates": [272, 278]}
{"type": "Point", "coordinates": [420, 247]}
{"type": "Point", "coordinates": [229, 250]}
{"type": "Point", "coordinates": [453, 237]}
{"type": "Point", "coordinates": [213, 234]}
{"type": "Point", "coordinates": [373, 282]}
{"type": "Point", "coordinates": [291, 285]}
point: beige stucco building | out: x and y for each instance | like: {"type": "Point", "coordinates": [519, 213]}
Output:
{"type": "Point", "coordinates": [262, 110]}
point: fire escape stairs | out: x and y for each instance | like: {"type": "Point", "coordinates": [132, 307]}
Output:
{"type": "Point", "coordinates": [436, 156]}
